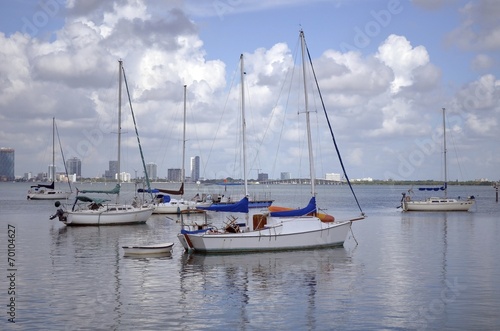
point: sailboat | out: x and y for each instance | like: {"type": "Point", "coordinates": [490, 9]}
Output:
{"type": "Point", "coordinates": [437, 203]}
{"type": "Point", "coordinates": [88, 210]}
{"type": "Point", "coordinates": [271, 231]}
{"type": "Point", "coordinates": [164, 203]}
{"type": "Point", "coordinates": [48, 191]}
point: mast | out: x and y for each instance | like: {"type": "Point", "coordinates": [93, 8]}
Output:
{"type": "Point", "coordinates": [137, 133]}
{"type": "Point", "coordinates": [243, 124]}
{"type": "Point", "coordinates": [184, 139]}
{"type": "Point", "coordinates": [120, 66]}
{"type": "Point", "coordinates": [444, 153]}
{"type": "Point", "coordinates": [53, 149]}
{"type": "Point", "coordinates": [309, 140]}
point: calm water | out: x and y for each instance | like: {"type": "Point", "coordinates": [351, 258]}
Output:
{"type": "Point", "coordinates": [409, 271]}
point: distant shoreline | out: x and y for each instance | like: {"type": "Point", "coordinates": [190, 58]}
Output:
{"type": "Point", "coordinates": [303, 181]}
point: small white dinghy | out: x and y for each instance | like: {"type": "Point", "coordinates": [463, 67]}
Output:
{"type": "Point", "coordinates": [165, 248]}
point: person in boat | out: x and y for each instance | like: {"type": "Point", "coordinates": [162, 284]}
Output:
{"type": "Point", "coordinates": [59, 213]}
{"type": "Point", "coordinates": [95, 206]}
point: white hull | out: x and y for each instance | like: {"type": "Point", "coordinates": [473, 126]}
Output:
{"type": "Point", "coordinates": [177, 207]}
{"type": "Point", "coordinates": [284, 234]}
{"type": "Point", "coordinates": [435, 203]}
{"type": "Point", "coordinates": [172, 207]}
{"type": "Point", "coordinates": [108, 216]}
{"type": "Point", "coordinates": [438, 204]}
{"type": "Point", "coordinates": [48, 195]}
{"type": "Point", "coordinates": [164, 248]}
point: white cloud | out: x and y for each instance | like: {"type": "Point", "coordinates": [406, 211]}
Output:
{"type": "Point", "coordinates": [349, 74]}
{"type": "Point", "coordinates": [398, 54]}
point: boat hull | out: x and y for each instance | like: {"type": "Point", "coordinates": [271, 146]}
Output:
{"type": "Point", "coordinates": [168, 208]}
{"type": "Point", "coordinates": [48, 195]}
{"type": "Point", "coordinates": [165, 248]}
{"type": "Point", "coordinates": [287, 234]}
{"type": "Point", "coordinates": [178, 207]}
{"type": "Point", "coordinates": [438, 204]}
{"type": "Point", "coordinates": [115, 216]}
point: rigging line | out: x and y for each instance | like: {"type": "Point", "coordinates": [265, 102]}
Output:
{"type": "Point", "coordinates": [219, 125]}
{"type": "Point", "coordinates": [255, 137]}
{"type": "Point", "coordinates": [318, 145]}
{"type": "Point", "coordinates": [273, 111]}
{"type": "Point", "coordinates": [287, 102]}
{"type": "Point", "coordinates": [64, 161]}
{"type": "Point", "coordinates": [167, 137]}
{"type": "Point", "coordinates": [137, 133]}
{"type": "Point", "coordinates": [455, 151]}
{"type": "Point", "coordinates": [331, 131]}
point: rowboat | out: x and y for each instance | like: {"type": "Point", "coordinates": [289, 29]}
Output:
{"type": "Point", "coordinates": [164, 248]}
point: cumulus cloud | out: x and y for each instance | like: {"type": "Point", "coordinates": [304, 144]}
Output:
{"type": "Point", "coordinates": [73, 77]}
{"type": "Point", "coordinates": [352, 74]}
{"type": "Point", "coordinates": [398, 54]}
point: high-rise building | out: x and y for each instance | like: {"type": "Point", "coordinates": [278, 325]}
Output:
{"type": "Point", "coordinates": [74, 166]}
{"type": "Point", "coordinates": [52, 172]}
{"type": "Point", "coordinates": [333, 176]}
{"type": "Point", "coordinates": [174, 175]}
{"type": "Point", "coordinates": [285, 176]}
{"type": "Point", "coordinates": [263, 177]}
{"type": "Point", "coordinates": [112, 172]}
{"type": "Point", "coordinates": [195, 168]}
{"type": "Point", "coordinates": [152, 170]}
{"type": "Point", "coordinates": [7, 156]}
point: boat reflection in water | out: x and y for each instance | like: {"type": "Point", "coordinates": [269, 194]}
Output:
{"type": "Point", "coordinates": [248, 289]}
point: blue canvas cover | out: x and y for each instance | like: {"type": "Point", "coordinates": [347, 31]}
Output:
{"type": "Point", "coordinates": [310, 208]}
{"type": "Point", "coordinates": [238, 207]}
{"type": "Point", "coordinates": [442, 188]}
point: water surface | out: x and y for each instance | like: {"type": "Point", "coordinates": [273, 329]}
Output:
{"type": "Point", "coordinates": [400, 271]}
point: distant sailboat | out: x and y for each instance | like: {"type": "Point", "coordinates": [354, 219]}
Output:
{"type": "Point", "coordinates": [164, 203]}
{"type": "Point", "coordinates": [437, 203]}
{"type": "Point", "coordinates": [44, 191]}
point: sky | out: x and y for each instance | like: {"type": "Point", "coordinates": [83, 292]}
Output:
{"type": "Point", "coordinates": [385, 69]}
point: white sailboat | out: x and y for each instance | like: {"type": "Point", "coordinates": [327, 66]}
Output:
{"type": "Point", "coordinates": [438, 203]}
{"type": "Point", "coordinates": [284, 230]}
{"type": "Point", "coordinates": [49, 192]}
{"type": "Point", "coordinates": [98, 211]}
{"type": "Point", "coordinates": [164, 203]}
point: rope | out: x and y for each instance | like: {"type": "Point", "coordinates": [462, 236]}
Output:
{"type": "Point", "coordinates": [331, 130]}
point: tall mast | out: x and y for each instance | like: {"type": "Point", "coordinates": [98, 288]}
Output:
{"type": "Point", "coordinates": [184, 138]}
{"type": "Point", "coordinates": [243, 123]}
{"type": "Point", "coordinates": [120, 66]}
{"type": "Point", "coordinates": [444, 152]}
{"type": "Point", "coordinates": [309, 139]}
{"type": "Point", "coordinates": [53, 170]}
